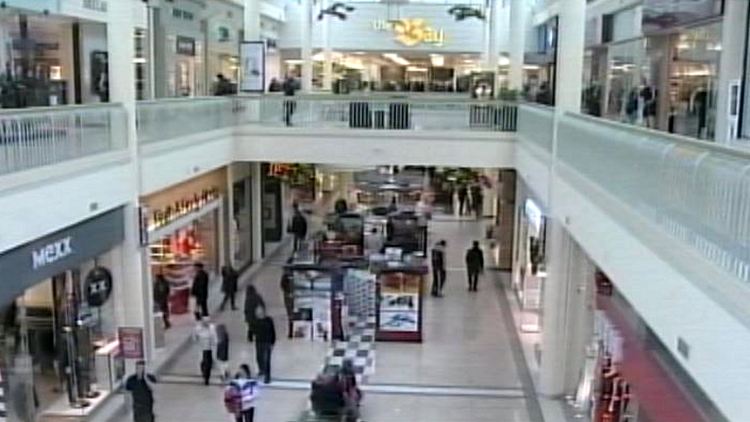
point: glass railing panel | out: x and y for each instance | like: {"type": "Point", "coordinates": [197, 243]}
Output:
{"type": "Point", "coordinates": [696, 191]}
{"type": "Point", "coordinates": [172, 118]}
{"type": "Point", "coordinates": [536, 125]}
{"type": "Point", "coordinates": [31, 138]}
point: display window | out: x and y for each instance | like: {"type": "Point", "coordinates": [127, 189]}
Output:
{"type": "Point", "coordinates": [56, 346]}
{"type": "Point", "coordinates": [528, 281]}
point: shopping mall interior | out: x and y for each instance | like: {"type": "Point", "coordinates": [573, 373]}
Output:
{"type": "Point", "coordinates": [374, 211]}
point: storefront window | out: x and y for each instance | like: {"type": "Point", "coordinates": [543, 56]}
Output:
{"type": "Point", "coordinates": [541, 68]}
{"type": "Point", "coordinates": [528, 283]}
{"type": "Point", "coordinates": [242, 214]}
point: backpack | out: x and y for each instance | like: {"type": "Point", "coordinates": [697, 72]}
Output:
{"type": "Point", "coordinates": [233, 399]}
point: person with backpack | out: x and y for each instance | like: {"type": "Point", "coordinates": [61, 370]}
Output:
{"type": "Point", "coordinates": [222, 351]}
{"type": "Point", "coordinates": [240, 395]}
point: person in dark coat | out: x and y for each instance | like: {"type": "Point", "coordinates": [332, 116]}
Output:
{"type": "Point", "coordinates": [438, 268]}
{"type": "Point", "coordinates": [289, 87]}
{"type": "Point", "coordinates": [287, 292]}
{"type": "Point", "coordinates": [229, 286]}
{"type": "Point", "coordinates": [253, 301]}
{"type": "Point", "coordinates": [139, 386]}
{"type": "Point", "coordinates": [265, 333]}
{"type": "Point", "coordinates": [222, 351]}
{"type": "Point", "coordinates": [474, 265]}
{"type": "Point", "coordinates": [477, 199]}
{"type": "Point", "coordinates": [199, 290]}
{"type": "Point", "coordinates": [299, 227]}
{"type": "Point", "coordinates": [161, 297]}
{"type": "Point", "coordinates": [463, 193]}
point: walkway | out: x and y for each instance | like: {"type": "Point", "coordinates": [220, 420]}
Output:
{"type": "Point", "coordinates": [469, 368]}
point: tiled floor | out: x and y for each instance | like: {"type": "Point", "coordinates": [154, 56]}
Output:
{"type": "Point", "coordinates": [465, 370]}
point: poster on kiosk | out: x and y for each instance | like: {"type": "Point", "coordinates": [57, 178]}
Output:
{"type": "Point", "coordinates": [253, 56]}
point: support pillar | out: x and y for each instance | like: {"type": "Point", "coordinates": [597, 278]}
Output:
{"type": "Point", "coordinates": [252, 20]}
{"type": "Point", "coordinates": [135, 301]}
{"type": "Point", "coordinates": [307, 35]}
{"type": "Point", "coordinates": [257, 210]}
{"type": "Point", "coordinates": [570, 44]}
{"type": "Point", "coordinates": [730, 67]}
{"type": "Point", "coordinates": [517, 43]}
{"type": "Point", "coordinates": [327, 52]}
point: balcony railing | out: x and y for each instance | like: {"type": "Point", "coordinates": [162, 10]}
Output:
{"type": "Point", "coordinates": [37, 137]}
{"type": "Point", "coordinates": [536, 124]}
{"type": "Point", "coordinates": [169, 119]}
{"type": "Point", "coordinates": [696, 191]}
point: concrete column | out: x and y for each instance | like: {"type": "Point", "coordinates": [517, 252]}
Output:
{"type": "Point", "coordinates": [257, 210]}
{"type": "Point", "coordinates": [327, 52]}
{"type": "Point", "coordinates": [730, 68]}
{"type": "Point", "coordinates": [570, 47]}
{"type": "Point", "coordinates": [307, 34]}
{"type": "Point", "coordinates": [252, 20]}
{"type": "Point", "coordinates": [135, 301]}
{"type": "Point", "coordinates": [517, 43]}
{"type": "Point", "coordinates": [566, 312]}
{"type": "Point", "coordinates": [493, 47]}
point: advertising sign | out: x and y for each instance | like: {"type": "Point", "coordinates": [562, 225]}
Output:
{"type": "Point", "coordinates": [663, 14]}
{"type": "Point", "coordinates": [131, 342]}
{"type": "Point", "coordinates": [253, 71]}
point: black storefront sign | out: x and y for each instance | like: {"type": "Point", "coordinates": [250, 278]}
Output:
{"type": "Point", "coordinates": [26, 265]}
{"type": "Point", "coordinates": [186, 46]}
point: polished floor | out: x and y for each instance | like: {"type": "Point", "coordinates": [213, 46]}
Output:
{"type": "Point", "coordinates": [469, 368]}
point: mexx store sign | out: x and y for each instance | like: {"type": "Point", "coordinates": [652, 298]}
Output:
{"type": "Point", "coordinates": [52, 252]}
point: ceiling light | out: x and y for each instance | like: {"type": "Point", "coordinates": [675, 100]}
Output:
{"type": "Point", "coordinates": [293, 61]}
{"type": "Point", "coordinates": [531, 67]}
{"type": "Point", "coordinates": [503, 61]}
{"type": "Point", "coordinates": [437, 60]}
{"type": "Point", "coordinates": [415, 69]}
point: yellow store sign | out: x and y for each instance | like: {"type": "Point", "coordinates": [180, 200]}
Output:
{"type": "Point", "coordinates": [411, 32]}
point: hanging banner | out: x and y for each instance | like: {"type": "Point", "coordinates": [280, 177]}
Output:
{"type": "Point", "coordinates": [253, 71]}
{"type": "Point", "coordinates": [131, 342]}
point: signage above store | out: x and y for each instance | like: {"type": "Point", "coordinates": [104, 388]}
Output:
{"type": "Point", "coordinates": [51, 252]}
{"type": "Point", "coordinates": [185, 46]}
{"type": "Point", "coordinates": [411, 31]}
{"type": "Point", "coordinates": [162, 217]}
{"type": "Point", "coordinates": [98, 286]}
{"type": "Point", "coordinates": [96, 5]}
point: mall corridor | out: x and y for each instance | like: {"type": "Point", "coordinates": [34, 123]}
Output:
{"type": "Point", "coordinates": [469, 368]}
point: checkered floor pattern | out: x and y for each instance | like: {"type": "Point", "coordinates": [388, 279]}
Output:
{"type": "Point", "coordinates": [360, 348]}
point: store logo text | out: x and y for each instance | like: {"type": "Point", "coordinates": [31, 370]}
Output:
{"type": "Point", "coordinates": [411, 32]}
{"type": "Point", "coordinates": [98, 5]}
{"type": "Point", "coordinates": [52, 252]}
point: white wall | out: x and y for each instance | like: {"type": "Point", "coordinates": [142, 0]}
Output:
{"type": "Point", "coordinates": [41, 201]}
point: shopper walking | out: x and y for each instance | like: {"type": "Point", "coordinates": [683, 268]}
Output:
{"type": "Point", "coordinates": [287, 293]}
{"type": "Point", "coordinates": [199, 289]}
{"type": "Point", "coordinates": [477, 199]}
{"type": "Point", "coordinates": [463, 194]}
{"type": "Point", "coordinates": [290, 88]}
{"type": "Point", "coordinates": [474, 265]}
{"type": "Point", "coordinates": [298, 227]}
{"type": "Point", "coordinates": [222, 351]}
{"type": "Point", "coordinates": [204, 335]}
{"type": "Point", "coordinates": [142, 395]}
{"type": "Point", "coordinates": [438, 268]}
{"type": "Point", "coordinates": [161, 297]}
{"type": "Point", "coordinates": [352, 393]}
{"type": "Point", "coordinates": [266, 338]}
{"type": "Point", "coordinates": [253, 301]}
{"type": "Point", "coordinates": [229, 283]}
{"type": "Point", "coordinates": [240, 395]}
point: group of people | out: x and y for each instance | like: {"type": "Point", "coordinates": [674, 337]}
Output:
{"type": "Point", "coordinates": [474, 260]}
{"type": "Point", "coordinates": [470, 204]}
{"type": "Point", "coordinates": [335, 394]}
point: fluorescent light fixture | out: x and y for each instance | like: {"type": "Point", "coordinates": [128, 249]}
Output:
{"type": "Point", "coordinates": [396, 59]}
{"type": "Point", "coordinates": [531, 67]}
{"type": "Point", "coordinates": [416, 69]}
{"type": "Point", "coordinates": [503, 61]}
{"type": "Point", "coordinates": [359, 53]}
{"type": "Point", "coordinates": [319, 56]}
{"type": "Point", "coordinates": [293, 61]}
{"type": "Point", "coordinates": [139, 60]}
{"type": "Point", "coordinates": [437, 60]}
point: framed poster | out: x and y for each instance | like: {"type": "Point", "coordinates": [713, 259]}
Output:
{"type": "Point", "coordinates": [253, 66]}
{"type": "Point", "coordinates": [131, 342]}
